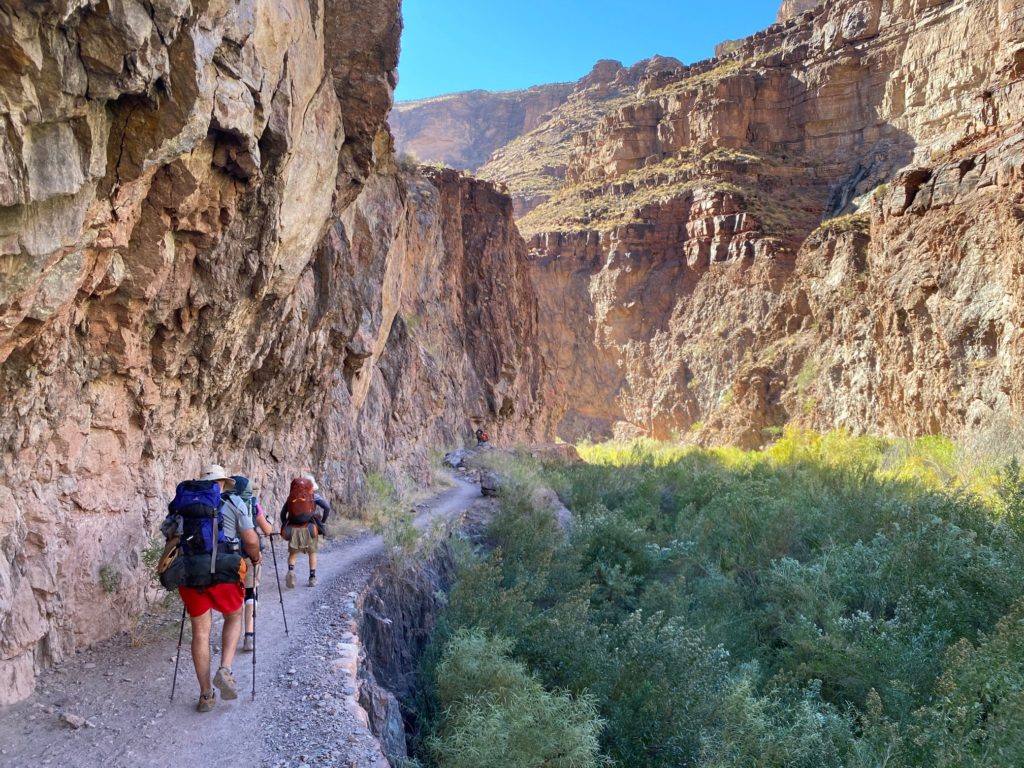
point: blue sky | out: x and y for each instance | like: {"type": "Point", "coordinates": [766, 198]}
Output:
{"type": "Point", "coordinates": [458, 45]}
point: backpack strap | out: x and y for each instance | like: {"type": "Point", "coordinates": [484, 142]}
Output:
{"type": "Point", "coordinates": [213, 549]}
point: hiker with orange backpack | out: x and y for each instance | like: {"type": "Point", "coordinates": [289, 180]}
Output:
{"type": "Point", "coordinates": [243, 489]}
{"type": "Point", "coordinates": [210, 531]}
{"type": "Point", "coordinates": [303, 520]}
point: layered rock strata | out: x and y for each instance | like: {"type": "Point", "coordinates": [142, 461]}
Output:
{"type": "Point", "coordinates": [521, 140]}
{"type": "Point", "coordinates": [206, 253]}
{"type": "Point", "coordinates": [727, 255]}
{"type": "Point", "coordinates": [461, 130]}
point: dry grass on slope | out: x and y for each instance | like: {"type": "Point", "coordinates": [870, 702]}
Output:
{"type": "Point", "coordinates": [535, 162]}
{"type": "Point", "coordinates": [781, 208]}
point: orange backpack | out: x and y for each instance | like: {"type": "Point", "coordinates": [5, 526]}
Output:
{"type": "Point", "coordinates": [301, 503]}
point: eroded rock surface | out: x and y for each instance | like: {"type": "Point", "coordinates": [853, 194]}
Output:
{"type": "Point", "coordinates": [461, 130]}
{"type": "Point", "coordinates": [820, 227]}
{"type": "Point", "coordinates": [521, 140]}
{"type": "Point", "coordinates": [790, 9]}
{"type": "Point", "coordinates": [206, 253]}
{"type": "Point", "coordinates": [397, 613]}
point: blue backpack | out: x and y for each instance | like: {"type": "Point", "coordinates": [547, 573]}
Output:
{"type": "Point", "coordinates": [207, 555]}
{"type": "Point", "coordinates": [197, 503]}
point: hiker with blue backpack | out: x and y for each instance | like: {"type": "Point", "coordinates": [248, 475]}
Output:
{"type": "Point", "coordinates": [206, 533]}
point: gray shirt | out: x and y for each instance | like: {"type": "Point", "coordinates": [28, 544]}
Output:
{"type": "Point", "coordinates": [235, 516]}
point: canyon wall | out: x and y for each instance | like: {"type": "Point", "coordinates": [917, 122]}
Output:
{"type": "Point", "coordinates": [821, 227]}
{"type": "Point", "coordinates": [207, 253]}
{"type": "Point", "coordinates": [521, 140]}
{"type": "Point", "coordinates": [790, 9]}
{"type": "Point", "coordinates": [461, 130]}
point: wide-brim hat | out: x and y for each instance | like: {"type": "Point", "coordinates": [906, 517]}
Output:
{"type": "Point", "coordinates": [217, 472]}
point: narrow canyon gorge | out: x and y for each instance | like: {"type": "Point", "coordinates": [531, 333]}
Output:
{"type": "Point", "coordinates": [819, 227]}
{"type": "Point", "coordinates": [210, 250]}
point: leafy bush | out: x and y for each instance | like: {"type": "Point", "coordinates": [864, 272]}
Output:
{"type": "Point", "coordinates": [667, 689]}
{"type": "Point", "coordinates": [976, 718]}
{"type": "Point", "coordinates": [498, 715]}
{"type": "Point", "coordinates": [832, 601]}
{"type": "Point", "coordinates": [780, 730]}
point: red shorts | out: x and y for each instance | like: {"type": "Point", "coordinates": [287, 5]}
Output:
{"type": "Point", "coordinates": [223, 598]}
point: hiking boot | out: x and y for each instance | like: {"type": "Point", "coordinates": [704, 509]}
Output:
{"type": "Point", "coordinates": [247, 642]}
{"type": "Point", "coordinates": [206, 701]}
{"type": "Point", "coordinates": [226, 682]}
{"type": "Point", "coordinates": [312, 581]}
{"type": "Point", "coordinates": [289, 580]}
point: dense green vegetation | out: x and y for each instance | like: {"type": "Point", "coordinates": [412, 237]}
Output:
{"type": "Point", "coordinates": [829, 602]}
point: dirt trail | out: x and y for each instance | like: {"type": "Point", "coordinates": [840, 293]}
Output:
{"type": "Point", "coordinates": [299, 716]}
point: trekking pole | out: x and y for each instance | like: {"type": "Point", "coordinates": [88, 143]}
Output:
{"type": "Point", "coordinates": [181, 634]}
{"type": "Point", "coordinates": [277, 575]}
{"type": "Point", "coordinates": [255, 605]}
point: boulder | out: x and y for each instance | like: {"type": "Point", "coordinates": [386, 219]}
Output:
{"type": "Point", "coordinates": [490, 483]}
{"type": "Point", "coordinates": [457, 459]}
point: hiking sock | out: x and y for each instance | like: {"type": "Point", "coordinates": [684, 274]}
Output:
{"type": "Point", "coordinates": [291, 567]}
{"type": "Point", "coordinates": [312, 573]}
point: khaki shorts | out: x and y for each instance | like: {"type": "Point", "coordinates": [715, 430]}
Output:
{"type": "Point", "coordinates": [303, 541]}
{"type": "Point", "coordinates": [252, 574]}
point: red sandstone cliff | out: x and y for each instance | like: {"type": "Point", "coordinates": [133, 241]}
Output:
{"type": "Point", "coordinates": [521, 140]}
{"type": "Point", "coordinates": [206, 253]}
{"type": "Point", "coordinates": [688, 285]}
{"type": "Point", "coordinates": [461, 130]}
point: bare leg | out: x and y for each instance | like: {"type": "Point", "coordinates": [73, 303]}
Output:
{"type": "Point", "coordinates": [201, 650]}
{"type": "Point", "coordinates": [289, 579]}
{"type": "Point", "coordinates": [312, 561]}
{"type": "Point", "coordinates": [232, 631]}
{"type": "Point", "coordinates": [250, 602]}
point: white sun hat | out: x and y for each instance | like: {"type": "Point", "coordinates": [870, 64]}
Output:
{"type": "Point", "coordinates": [217, 472]}
{"type": "Point", "coordinates": [312, 480]}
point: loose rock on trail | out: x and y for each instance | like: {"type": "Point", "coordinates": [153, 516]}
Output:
{"type": "Point", "coordinates": [108, 706]}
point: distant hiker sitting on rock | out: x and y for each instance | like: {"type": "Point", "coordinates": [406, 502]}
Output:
{"type": "Point", "coordinates": [481, 437]}
{"type": "Point", "coordinates": [303, 520]}
{"type": "Point", "coordinates": [212, 530]}
{"type": "Point", "coordinates": [243, 489]}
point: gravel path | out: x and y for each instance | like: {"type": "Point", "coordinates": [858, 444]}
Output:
{"type": "Point", "coordinates": [304, 712]}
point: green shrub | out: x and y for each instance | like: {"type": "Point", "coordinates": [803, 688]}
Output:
{"type": "Point", "coordinates": [667, 690]}
{"type": "Point", "coordinates": [976, 720]}
{"type": "Point", "coordinates": [832, 600]}
{"type": "Point", "coordinates": [110, 578]}
{"type": "Point", "coordinates": [1010, 497]}
{"type": "Point", "coordinates": [779, 730]}
{"type": "Point", "coordinates": [498, 715]}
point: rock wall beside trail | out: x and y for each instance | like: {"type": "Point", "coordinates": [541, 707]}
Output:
{"type": "Point", "coordinates": [396, 616]}
{"type": "Point", "coordinates": [206, 253]}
